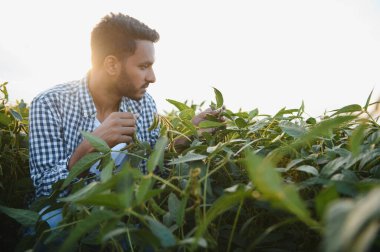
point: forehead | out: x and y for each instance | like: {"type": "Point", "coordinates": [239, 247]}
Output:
{"type": "Point", "coordinates": [144, 52]}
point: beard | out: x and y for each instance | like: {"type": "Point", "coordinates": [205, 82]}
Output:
{"type": "Point", "coordinates": [126, 86]}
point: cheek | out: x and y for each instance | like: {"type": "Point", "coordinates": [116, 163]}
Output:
{"type": "Point", "coordinates": [138, 77]}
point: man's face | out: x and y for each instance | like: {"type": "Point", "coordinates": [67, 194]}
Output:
{"type": "Point", "coordinates": [137, 72]}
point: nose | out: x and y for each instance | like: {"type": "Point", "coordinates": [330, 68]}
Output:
{"type": "Point", "coordinates": [151, 77]}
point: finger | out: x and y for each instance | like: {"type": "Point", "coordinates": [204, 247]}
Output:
{"type": "Point", "coordinates": [127, 122]}
{"type": "Point", "coordinates": [129, 131]}
{"type": "Point", "coordinates": [123, 115]}
{"type": "Point", "coordinates": [126, 139]}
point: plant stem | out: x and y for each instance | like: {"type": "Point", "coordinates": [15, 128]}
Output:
{"type": "Point", "coordinates": [205, 192]}
{"type": "Point", "coordinates": [234, 225]}
{"type": "Point", "coordinates": [129, 240]}
{"type": "Point", "coordinates": [131, 154]}
{"type": "Point", "coordinates": [167, 183]}
{"type": "Point", "coordinates": [223, 162]}
{"type": "Point", "coordinates": [268, 231]}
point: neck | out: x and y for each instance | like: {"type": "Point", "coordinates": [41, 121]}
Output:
{"type": "Point", "coordinates": [105, 99]}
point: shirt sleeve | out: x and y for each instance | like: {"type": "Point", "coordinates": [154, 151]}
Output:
{"type": "Point", "coordinates": [152, 111]}
{"type": "Point", "coordinates": [48, 159]}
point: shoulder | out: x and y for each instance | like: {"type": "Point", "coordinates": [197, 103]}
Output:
{"type": "Point", "coordinates": [58, 93]}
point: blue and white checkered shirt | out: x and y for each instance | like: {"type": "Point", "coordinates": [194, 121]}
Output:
{"type": "Point", "coordinates": [56, 118]}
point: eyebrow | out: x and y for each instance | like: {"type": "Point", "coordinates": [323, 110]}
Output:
{"type": "Point", "coordinates": [147, 63]}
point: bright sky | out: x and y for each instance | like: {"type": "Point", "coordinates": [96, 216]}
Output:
{"type": "Point", "coordinates": [259, 54]}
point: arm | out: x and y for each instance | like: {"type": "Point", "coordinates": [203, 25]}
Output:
{"type": "Point", "coordinates": [48, 157]}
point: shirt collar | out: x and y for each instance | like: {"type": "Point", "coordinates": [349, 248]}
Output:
{"type": "Point", "coordinates": [88, 105]}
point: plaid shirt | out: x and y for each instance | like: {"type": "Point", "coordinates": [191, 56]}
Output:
{"type": "Point", "coordinates": [56, 118]}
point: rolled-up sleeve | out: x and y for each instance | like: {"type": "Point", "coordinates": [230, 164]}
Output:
{"type": "Point", "coordinates": [48, 157]}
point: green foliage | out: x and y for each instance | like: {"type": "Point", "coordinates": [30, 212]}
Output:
{"type": "Point", "coordinates": [15, 183]}
{"type": "Point", "coordinates": [247, 182]}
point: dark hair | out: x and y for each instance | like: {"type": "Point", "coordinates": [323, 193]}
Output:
{"type": "Point", "coordinates": [116, 34]}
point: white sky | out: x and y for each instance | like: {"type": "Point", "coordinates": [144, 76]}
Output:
{"type": "Point", "coordinates": [259, 54]}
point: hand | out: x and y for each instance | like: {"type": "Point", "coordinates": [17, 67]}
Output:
{"type": "Point", "coordinates": [118, 127]}
{"type": "Point", "coordinates": [182, 143]}
{"type": "Point", "coordinates": [203, 116]}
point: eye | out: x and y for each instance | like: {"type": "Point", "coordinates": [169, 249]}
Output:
{"type": "Point", "coordinates": [144, 66]}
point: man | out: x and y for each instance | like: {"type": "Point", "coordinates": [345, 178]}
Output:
{"type": "Point", "coordinates": [105, 102]}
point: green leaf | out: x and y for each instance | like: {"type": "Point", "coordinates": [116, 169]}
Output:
{"type": "Point", "coordinates": [333, 166]}
{"type": "Point", "coordinates": [311, 120]}
{"type": "Point", "coordinates": [4, 119]}
{"type": "Point", "coordinates": [368, 101]}
{"type": "Point", "coordinates": [285, 111]}
{"type": "Point", "coordinates": [81, 166]}
{"type": "Point", "coordinates": [292, 129]}
{"type": "Point", "coordinates": [221, 205]}
{"type": "Point", "coordinates": [22, 105]}
{"type": "Point", "coordinates": [210, 124]}
{"type": "Point", "coordinates": [144, 187]}
{"type": "Point", "coordinates": [258, 125]}
{"type": "Point", "coordinates": [111, 200]}
{"type": "Point", "coordinates": [252, 114]}
{"type": "Point", "coordinates": [96, 142]}
{"type": "Point", "coordinates": [113, 234]}
{"type": "Point", "coordinates": [301, 110]}
{"type": "Point", "coordinates": [85, 226]}
{"type": "Point", "coordinates": [96, 188]}
{"type": "Point", "coordinates": [211, 149]}
{"type": "Point", "coordinates": [348, 109]}
{"type": "Point", "coordinates": [187, 158]}
{"type": "Point", "coordinates": [187, 114]}
{"type": "Point", "coordinates": [173, 206]}
{"type": "Point", "coordinates": [324, 127]}
{"type": "Point", "coordinates": [157, 157]}
{"type": "Point", "coordinates": [190, 126]}
{"type": "Point", "coordinates": [126, 186]}
{"type": "Point", "coordinates": [106, 171]}
{"type": "Point", "coordinates": [368, 158]}
{"type": "Point", "coordinates": [180, 106]}
{"type": "Point", "coordinates": [4, 90]}
{"type": "Point", "coordinates": [268, 181]}
{"type": "Point", "coordinates": [16, 115]}
{"type": "Point", "coordinates": [243, 115]}
{"type": "Point", "coordinates": [262, 174]}
{"type": "Point", "coordinates": [166, 237]}
{"type": "Point", "coordinates": [240, 122]}
{"type": "Point", "coordinates": [25, 217]}
{"type": "Point", "coordinates": [324, 198]}
{"type": "Point", "coordinates": [219, 98]}
{"type": "Point", "coordinates": [201, 242]}
{"type": "Point", "coordinates": [356, 139]}
{"type": "Point", "coordinates": [88, 190]}
{"type": "Point", "coordinates": [180, 219]}
{"type": "Point", "coordinates": [352, 225]}
{"type": "Point", "coordinates": [308, 169]}
{"type": "Point", "coordinates": [294, 162]}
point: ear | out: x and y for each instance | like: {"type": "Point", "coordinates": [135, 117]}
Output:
{"type": "Point", "coordinates": [112, 65]}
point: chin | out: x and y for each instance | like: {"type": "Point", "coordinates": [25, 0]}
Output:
{"type": "Point", "coordinates": [136, 98]}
